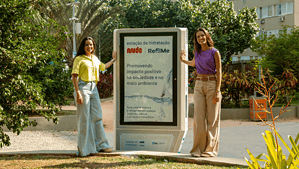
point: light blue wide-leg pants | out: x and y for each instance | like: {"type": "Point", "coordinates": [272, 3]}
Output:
{"type": "Point", "coordinates": [91, 134]}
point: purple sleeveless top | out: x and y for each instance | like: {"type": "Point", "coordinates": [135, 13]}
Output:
{"type": "Point", "coordinates": [205, 62]}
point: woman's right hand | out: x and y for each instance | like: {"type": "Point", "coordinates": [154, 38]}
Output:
{"type": "Point", "coordinates": [79, 97]}
{"type": "Point", "coordinates": [114, 55]}
{"type": "Point", "coordinates": [182, 54]}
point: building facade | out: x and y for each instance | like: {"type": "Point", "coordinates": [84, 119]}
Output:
{"type": "Point", "coordinates": [272, 16]}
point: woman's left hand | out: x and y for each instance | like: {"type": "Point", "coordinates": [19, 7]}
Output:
{"type": "Point", "coordinates": [216, 97]}
{"type": "Point", "coordinates": [114, 55]}
{"type": "Point", "coordinates": [182, 55]}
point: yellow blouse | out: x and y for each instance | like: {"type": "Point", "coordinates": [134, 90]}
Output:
{"type": "Point", "coordinates": [88, 68]}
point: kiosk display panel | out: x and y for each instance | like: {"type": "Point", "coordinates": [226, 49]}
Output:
{"type": "Point", "coordinates": [148, 70]}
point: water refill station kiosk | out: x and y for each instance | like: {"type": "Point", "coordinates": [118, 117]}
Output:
{"type": "Point", "coordinates": [150, 89]}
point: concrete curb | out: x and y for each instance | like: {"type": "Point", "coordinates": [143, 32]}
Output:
{"type": "Point", "coordinates": [65, 123]}
{"type": "Point", "coordinates": [68, 122]}
{"type": "Point", "coordinates": [244, 113]}
{"type": "Point", "coordinates": [185, 158]}
{"type": "Point", "coordinates": [102, 100]}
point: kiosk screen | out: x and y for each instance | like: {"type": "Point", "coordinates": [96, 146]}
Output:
{"type": "Point", "coordinates": [148, 78]}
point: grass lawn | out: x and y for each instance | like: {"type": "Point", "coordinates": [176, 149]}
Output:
{"type": "Point", "coordinates": [65, 161]}
{"type": "Point", "coordinates": [61, 113]}
{"type": "Point", "coordinates": [294, 102]}
{"type": "Point", "coordinates": [295, 99]}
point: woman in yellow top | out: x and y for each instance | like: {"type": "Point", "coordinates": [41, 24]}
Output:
{"type": "Point", "coordinates": [85, 75]}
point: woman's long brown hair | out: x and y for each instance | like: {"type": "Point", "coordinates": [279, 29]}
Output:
{"type": "Point", "coordinates": [197, 46]}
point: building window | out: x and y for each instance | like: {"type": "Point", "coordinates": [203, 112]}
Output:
{"type": "Point", "coordinates": [278, 9]}
{"type": "Point", "coordinates": [281, 9]}
{"type": "Point", "coordinates": [264, 12]}
{"type": "Point", "coordinates": [270, 10]}
{"type": "Point", "coordinates": [269, 33]}
{"type": "Point", "coordinates": [258, 13]}
{"type": "Point", "coordinates": [289, 30]}
{"type": "Point", "coordinates": [276, 32]}
{"type": "Point", "coordinates": [290, 7]}
{"type": "Point", "coordinates": [284, 8]}
{"type": "Point", "coordinates": [245, 57]}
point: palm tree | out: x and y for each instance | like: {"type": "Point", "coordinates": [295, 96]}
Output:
{"type": "Point", "coordinates": [90, 13]}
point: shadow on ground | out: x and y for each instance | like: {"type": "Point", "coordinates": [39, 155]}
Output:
{"type": "Point", "coordinates": [71, 161]}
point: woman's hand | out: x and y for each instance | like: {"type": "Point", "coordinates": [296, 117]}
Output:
{"type": "Point", "coordinates": [79, 97]}
{"type": "Point", "coordinates": [216, 97]}
{"type": "Point", "coordinates": [110, 63]}
{"type": "Point", "coordinates": [182, 54]}
{"type": "Point", "coordinates": [114, 55]}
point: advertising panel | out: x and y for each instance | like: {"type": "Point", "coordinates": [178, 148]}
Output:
{"type": "Point", "coordinates": [150, 89]}
{"type": "Point", "coordinates": [148, 78]}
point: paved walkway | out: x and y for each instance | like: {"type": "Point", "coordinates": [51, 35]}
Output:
{"type": "Point", "coordinates": [235, 140]}
{"type": "Point", "coordinates": [233, 144]}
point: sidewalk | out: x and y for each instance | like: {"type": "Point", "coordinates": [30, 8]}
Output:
{"type": "Point", "coordinates": [233, 144]}
{"type": "Point", "coordinates": [233, 141]}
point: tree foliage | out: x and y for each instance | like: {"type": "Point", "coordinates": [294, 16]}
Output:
{"type": "Point", "coordinates": [32, 74]}
{"type": "Point", "coordinates": [157, 14]}
{"type": "Point", "coordinates": [105, 38]}
{"type": "Point", "coordinates": [232, 31]}
{"type": "Point", "coordinates": [90, 13]}
{"type": "Point", "coordinates": [280, 52]}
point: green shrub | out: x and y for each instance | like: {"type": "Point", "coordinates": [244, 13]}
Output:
{"type": "Point", "coordinates": [191, 80]}
{"type": "Point", "coordinates": [236, 86]}
{"type": "Point", "coordinates": [32, 72]}
{"type": "Point", "coordinates": [239, 84]}
{"type": "Point", "coordinates": [105, 85]}
{"type": "Point", "coordinates": [275, 158]}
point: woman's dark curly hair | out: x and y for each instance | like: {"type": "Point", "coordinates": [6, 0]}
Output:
{"type": "Point", "coordinates": [81, 50]}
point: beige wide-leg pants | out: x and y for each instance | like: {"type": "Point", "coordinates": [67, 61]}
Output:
{"type": "Point", "coordinates": [206, 120]}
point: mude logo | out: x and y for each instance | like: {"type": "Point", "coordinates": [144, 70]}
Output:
{"type": "Point", "coordinates": [134, 50]}
{"type": "Point", "coordinates": [158, 50]}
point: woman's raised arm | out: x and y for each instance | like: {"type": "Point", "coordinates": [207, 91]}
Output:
{"type": "Point", "coordinates": [190, 63]}
{"type": "Point", "coordinates": [110, 63]}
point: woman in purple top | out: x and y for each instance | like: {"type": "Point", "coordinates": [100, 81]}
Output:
{"type": "Point", "coordinates": [207, 95]}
